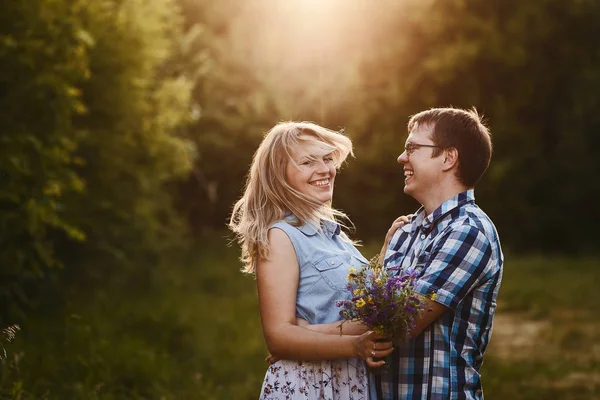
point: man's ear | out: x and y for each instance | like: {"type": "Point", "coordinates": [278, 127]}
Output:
{"type": "Point", "coordinates": [450, 158]}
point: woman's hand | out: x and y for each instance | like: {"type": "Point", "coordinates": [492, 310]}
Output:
{"type": "Point", "coordinates": [397, 224]}
{"type": "Point", "coordinates": [373, 347]}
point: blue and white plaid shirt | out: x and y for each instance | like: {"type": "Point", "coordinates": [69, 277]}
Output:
{"type": "Point", "coordinates": [457, 253]}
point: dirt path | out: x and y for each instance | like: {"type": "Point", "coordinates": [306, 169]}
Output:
{"type": "Point", "coordinates": [516, 337]}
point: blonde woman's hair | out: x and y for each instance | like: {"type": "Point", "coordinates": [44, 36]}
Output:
{"type": "Point", "coordinates": [267, 194]}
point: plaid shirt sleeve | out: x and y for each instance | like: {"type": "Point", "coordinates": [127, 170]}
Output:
{"type": "Point", "coordinates": [456, 265]}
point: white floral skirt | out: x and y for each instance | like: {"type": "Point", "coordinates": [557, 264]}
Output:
{"type": "Point", "coordinates": [316, 380]}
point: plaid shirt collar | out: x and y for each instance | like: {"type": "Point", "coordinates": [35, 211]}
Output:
{"type": "Point", "coordinates": [427, 222]}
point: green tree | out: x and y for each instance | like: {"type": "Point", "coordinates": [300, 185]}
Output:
{"type": "Point", "coordinates": [92, 134]}
{"type": "Point", "coordinates": [43, 58]}
{"type": "Point", "coordinates": [232, 110]}
{"type": "Point", "coordinates": [132, 137]}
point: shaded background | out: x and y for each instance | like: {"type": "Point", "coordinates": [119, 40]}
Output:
{"type": "Point", "coordinates": [127, 128]}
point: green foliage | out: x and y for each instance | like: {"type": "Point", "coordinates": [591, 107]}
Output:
{"type": "Point", "coordinates": [91, 137]}
{"type": "Point", "coordinates": [231, 111]}
{"type": "Point", "coordinates": [181, 336]}
{"type": "Point", "coordinates": [535, 84]}
{"type": "Point", "coordinates": [531, 68]}
{"type": "Point", "coordinates": [43, 58]}
{"type": "Point", "coordinates": [515, 63]}
{"type": "Point", "coordinates": [131, 141]}
{"type": "Point", "coordinates": [530, 82]}
{"type": "Point", "coordinates": [94, 161]}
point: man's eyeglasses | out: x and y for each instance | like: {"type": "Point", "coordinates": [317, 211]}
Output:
{"type": "Point", "coordinates": [411, 147]}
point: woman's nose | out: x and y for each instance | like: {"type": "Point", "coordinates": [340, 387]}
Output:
{"type": "Point", "coordinates": [322, 167]}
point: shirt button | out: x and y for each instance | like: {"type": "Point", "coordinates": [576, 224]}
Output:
{"type": "Point", "coordinates": [331, 262]}
{"type": "Point", "coordinates": [423, 237]}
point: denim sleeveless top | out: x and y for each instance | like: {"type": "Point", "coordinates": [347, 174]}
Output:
{"type": "Point", "coordinates": [324, 255]}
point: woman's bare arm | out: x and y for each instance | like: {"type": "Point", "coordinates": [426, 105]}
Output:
{"type": "Point", "coordinates": [335, 328]}
{"type": "Point", "coordinates": [277, 280]}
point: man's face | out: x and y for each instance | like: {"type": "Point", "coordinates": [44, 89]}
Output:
{"type": "Point", "coordinates": [422, 173]}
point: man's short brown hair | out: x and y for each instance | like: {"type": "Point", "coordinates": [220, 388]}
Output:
{"type": "Point", "coordinates": [465, 131]}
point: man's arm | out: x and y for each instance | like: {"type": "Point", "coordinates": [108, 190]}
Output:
{"type": "Point", "coordinates": [453, 269]}
{"type": "Point", "coordinates": [430, 314]}
{"type": "Point", "coordinates": [455, 266]}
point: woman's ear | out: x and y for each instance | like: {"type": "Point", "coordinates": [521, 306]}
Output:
{"type": "Point", "coordinates": [450, 158]}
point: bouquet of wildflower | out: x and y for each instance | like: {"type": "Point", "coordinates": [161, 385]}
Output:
{"type": "Point", "coordinates": [386, 304]}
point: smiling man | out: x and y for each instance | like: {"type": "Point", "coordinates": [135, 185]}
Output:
{"type": "Point", "coordinates": [455, 248]}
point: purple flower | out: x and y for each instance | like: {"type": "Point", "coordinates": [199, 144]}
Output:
{"type": "Point", "coordinates": [388, 302]}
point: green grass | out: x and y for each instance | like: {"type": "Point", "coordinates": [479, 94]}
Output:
{"type": "Point", "coordinates": [544, 287]}
{"type": "Point", "coordinates": [559, 359]}
{"type": "Point", "coordinates": [221, 301]}
{"type": "Point", "coordinates": [194, 332]}
{"type": "Point", "coordinates": [191, 331]}
{"type": "Point", "coordinates": [545, 342]}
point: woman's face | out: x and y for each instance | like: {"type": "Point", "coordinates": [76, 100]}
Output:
{"type": "Point", "coordinates": [312, 175]}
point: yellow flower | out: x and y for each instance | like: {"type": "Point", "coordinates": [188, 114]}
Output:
{"type": "Point", "coordinates": [351, 274]}
{"type": "Point", "coordinates": [370, 300]}
{"type": "Point", "coordinates": [433, 296]}
{"type": "Point", "coordinates": [378, 281]}
{"type": "Point", "coordinates": [357, 292]}
{"type": "Point", "coordinates": [379, 329]}
{"type": "Point", "coordinates": [360, 303]}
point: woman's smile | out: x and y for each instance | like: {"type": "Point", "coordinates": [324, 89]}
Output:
{"type": "Point", "coordinates": [321, 183]}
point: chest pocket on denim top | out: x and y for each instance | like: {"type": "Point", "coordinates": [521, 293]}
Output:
{"type": "Point", "coordinates": [333, 272]}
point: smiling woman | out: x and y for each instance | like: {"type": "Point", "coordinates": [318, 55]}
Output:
{"type": "Point", "coordinates": [290, 239]}
{"type": "Point", "coordinates": [293, 172]}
